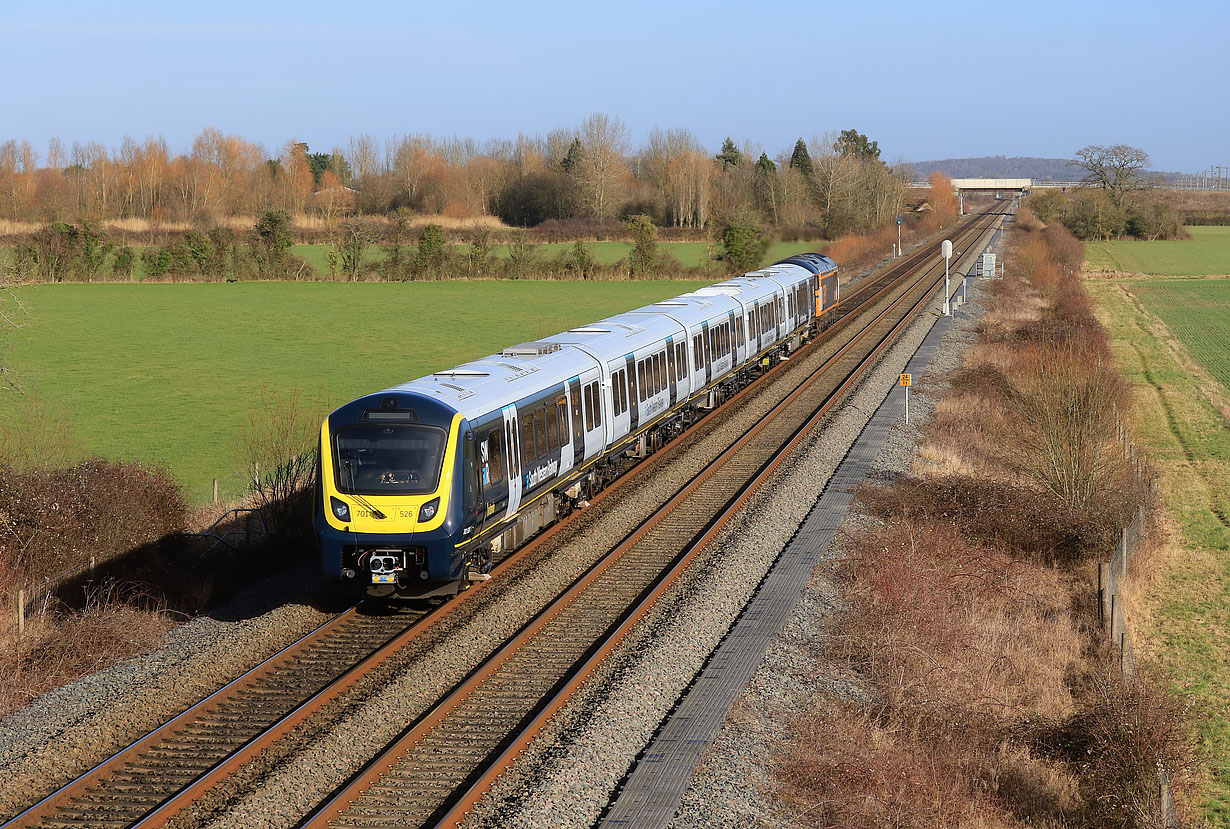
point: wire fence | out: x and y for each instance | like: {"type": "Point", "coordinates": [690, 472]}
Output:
{"type": "Point", "coordinates": [1112, 576]}
{"type": "Point", "coordinates": [235, 528]}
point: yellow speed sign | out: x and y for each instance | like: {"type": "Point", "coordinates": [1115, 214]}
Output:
{"type": "Point", "coordinates": [906, 379]}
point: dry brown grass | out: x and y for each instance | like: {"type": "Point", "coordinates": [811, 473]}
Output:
{"type": "Point", "coordinates": [61, 645]}
{"type": "Point", "coordinates": [992, 698]}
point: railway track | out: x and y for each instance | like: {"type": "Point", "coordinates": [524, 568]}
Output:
{"type": "Point", "coordinates": [165, 773]}
{"type": "Point", "coordinates": [497, 711]}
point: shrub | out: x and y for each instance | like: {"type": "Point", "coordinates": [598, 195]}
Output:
{"type": "Point", "coordinates": [280, 441]}
{"type": "Point", "coordinates": [432, 251]}
{"type": "Point", "coordinates": [124, 262]}
{"type": "Point", "coordinates": [56, 520]}
{"type": "Point", "coordinates": [744, 245]}
{"type": "Point", "coordinates": [644, 255]}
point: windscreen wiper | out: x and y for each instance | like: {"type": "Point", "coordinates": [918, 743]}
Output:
{"type": "Point", "coordinates": [363, 502]}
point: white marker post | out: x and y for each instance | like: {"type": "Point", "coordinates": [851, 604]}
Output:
{"type": "Point", "coordinates": [898, 235]}
{"type": "Point", "coordinates": [946, 250]}
{"type": "Point", "coordinates": [905, 381]}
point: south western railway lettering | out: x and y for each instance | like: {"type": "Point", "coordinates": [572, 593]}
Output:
{"type": "Point", "coordinates": [536, 476]}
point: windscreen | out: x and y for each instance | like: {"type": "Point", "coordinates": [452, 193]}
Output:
{"type": "Point", "coordinates": [388, 459]}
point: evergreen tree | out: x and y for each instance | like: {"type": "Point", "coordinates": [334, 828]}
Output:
{"type": "Point", "coordinates": [730, 155]}
{"type": "Point", "coordinates": [572, 161]}
{"type": "Point", "coordinates": [853, 144]}
{"type": "Point", "coordinates": [765, 165]}
{"type": "Point", "coordinates": [800, 159]}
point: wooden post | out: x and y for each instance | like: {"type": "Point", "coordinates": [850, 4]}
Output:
{"type": "Point", "coordinates": [256, 474]}
{"type": "Point", "coordinates": [215, 491]}
{"type": "Point", "coordinates": [1103, 592]}
{"type": "Point", "coordinates": [21, 611]}
{"type": "Point", "coordinates": [93, 565]}
{"type": "Point", "coordinates": [1114, 611]}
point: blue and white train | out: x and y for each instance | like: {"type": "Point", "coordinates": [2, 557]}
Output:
{"type": "Point", "coordinates": [421, 485]}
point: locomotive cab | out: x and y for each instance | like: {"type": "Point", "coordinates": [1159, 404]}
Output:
{"type": "Point", "coordinates": [396, 495]}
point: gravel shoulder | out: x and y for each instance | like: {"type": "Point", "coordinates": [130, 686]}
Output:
{"type": "Point", "coordinates": [73, 728]}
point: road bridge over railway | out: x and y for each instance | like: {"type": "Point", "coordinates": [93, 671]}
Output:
{"type": "Point", "coordinates": [1002, 185]}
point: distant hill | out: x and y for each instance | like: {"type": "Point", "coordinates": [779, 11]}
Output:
{"type": "Point", "coordinates": [998, 166]}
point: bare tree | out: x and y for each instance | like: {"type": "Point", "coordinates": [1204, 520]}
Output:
{"type": "Point", "coordinates": [603, 167]}
{"type": "Point", "coordinates": [680, 170]}
{"type": "Point", "coordinates": [1119, 169]}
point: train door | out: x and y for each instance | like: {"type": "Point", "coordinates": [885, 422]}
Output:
{"type": "Point", "coordinates": [592, 413]}
{"type": "Point", "coordinates": [512, 440]}
{"type": "Point", "coordinates": [578, 422]}
{"type": "Point", "coordinates": [559, 411]}
{"type": "Point", "coordinates": [707, 351]}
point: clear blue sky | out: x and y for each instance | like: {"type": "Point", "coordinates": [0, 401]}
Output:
{"type": "Point", "coordinates": [926, 79]}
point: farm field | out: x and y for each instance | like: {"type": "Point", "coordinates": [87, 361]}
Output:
{"type": "Point", "coordinates": [1172, 338]}
{"type": "Point", "coordinates": [1207, 253]}
{"type": "Point", "coordinates": [171, 373]}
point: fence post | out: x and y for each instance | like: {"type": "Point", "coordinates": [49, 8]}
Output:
{"type": "Point", "coordinates": [1103, 592]}
{"type": "Point", "coordinates": [21, 611]}
{"type": "Point", "coordinates": [215, 491]}
{"type": "Point", "coordinates": [1115, 611]}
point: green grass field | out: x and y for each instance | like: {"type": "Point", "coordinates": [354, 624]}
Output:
{"type": "Point", "coordinates": [1172, 338]}
{"type": "Point", "coordinates": [172, 373]}
{"type": "Point", "coordinates": [1207, 253]}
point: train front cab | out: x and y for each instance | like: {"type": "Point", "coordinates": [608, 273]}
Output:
{"type": "Point", "coordinates": [397, 495]}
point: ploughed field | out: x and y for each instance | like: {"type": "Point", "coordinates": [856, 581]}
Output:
{"type": "Point", "coordinates": [172, 373]}
{"type": "Point", "coordinates": [1207, 253]}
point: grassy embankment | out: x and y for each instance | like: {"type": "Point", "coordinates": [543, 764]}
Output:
{"type": "Point", "coordinates": [172, 373]}
{"type": "Point", "coordinates": [1172, 339]}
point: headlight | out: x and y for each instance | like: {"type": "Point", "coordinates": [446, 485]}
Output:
{"type": "Point", "coordinates": [428, 510]}
{"type": "Point", "coordinates": [340, 508]}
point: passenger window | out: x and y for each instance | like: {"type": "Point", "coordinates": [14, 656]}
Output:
{"type": "Point", "coordinates": [576, 412]}
{"type": "Point", "coordinates": [552, 417]}
{"type": "Point", "coordinates": [597, 406]}
{"type": "Point", "coordinates": [640, 381]}
{"type": "Point", "coordinates": [540, 432]}
{"type": "Point", "coordinates": [514, 460]}
{"type": "Point", "coordinates": [589, 408]}
{"type": "Point", "coordinates": [527, 438]}
{"type": "Point", "coordinates": [669, 356]}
